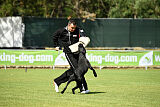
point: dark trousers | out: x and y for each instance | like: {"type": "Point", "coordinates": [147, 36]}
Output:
{"type": "Point", "coordinates": [73, 61]}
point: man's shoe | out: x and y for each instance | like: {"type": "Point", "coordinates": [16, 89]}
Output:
{"type": "Point", "coordinates": [85, 92]}
{"type": "Point", "coordinates": [56, 87]}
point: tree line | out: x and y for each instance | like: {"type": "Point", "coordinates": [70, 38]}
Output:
{"type": "Point", "coordinates": [81, 8]}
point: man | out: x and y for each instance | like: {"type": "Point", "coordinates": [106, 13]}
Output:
{"type": "Point", "coordinates": [66, 37]}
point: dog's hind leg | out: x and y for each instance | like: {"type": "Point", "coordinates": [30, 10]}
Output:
{"type": "Point", "coordinates": [65, 87]}
{"type": "Point", "coordinates": [72, 78]}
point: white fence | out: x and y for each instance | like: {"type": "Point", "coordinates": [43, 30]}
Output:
{"type": "Point", "coordinates": [11, 32]}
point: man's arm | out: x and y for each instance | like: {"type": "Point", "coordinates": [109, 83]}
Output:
{"type": "Point", "coordinates": [56, 36]}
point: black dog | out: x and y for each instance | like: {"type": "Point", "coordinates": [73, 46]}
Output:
{"type": "Point", "coordinates": [83, 65]}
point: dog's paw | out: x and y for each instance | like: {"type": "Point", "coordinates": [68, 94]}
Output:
{"type": "Point", "coordinates": [95, 75]}
{"type": "Point", "coordinates": [73, 92]}
{"type": "Point", "coordinates": [62, 92]}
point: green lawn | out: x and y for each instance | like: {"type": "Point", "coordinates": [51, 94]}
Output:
{"type": "Point", "coordinates": [112, 88]}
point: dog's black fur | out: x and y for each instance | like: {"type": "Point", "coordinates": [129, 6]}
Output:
{"type": "Point", "coordinates": [83, 65]}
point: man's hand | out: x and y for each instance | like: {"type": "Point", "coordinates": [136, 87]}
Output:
{"type": "Point", "coordinates": [57, 48]}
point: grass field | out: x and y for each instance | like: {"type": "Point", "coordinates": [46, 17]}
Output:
{"type": "Point", "coordinates": [112, 88]}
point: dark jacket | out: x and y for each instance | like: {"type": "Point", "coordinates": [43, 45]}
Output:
{"type": "Point", "coordinates": [64, 38]}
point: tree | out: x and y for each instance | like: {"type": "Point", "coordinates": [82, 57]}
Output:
{"type": "Point", "coordinates": [147, 8]}
{"type": "Point", "coordinates": [81, 8]}
{"type": "Point", "coordinates": [134, 9]}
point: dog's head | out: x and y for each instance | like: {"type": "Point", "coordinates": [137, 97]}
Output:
{"type": "Point", "coordinates": [81, 49]}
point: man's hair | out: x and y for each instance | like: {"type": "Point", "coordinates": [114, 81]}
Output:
{"type": "Point", "coordinates": [72, 22]}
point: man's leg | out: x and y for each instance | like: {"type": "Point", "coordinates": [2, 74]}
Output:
{"type": "Point", "coordinates": [64, 77]}
{"type": "Point", "coordinates": [72, 60]}
{"type": "Point", "coordinates": [84, 85]}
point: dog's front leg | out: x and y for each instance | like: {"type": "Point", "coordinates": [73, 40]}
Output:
{"type": "Point", "coordinates": [73, 89]}
{"type": "Point", "coordinates": [78, 85]}
{"type": "Point", "coordinates": [94, 72]}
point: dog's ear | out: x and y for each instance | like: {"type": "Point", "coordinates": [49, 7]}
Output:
{"type": "Point", "coordinates": [80, 45]}
{"type": "Point", "coordinates": [81, 48]}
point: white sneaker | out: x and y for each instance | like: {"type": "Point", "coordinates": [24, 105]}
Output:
{"type": "Point", "coordinates": [56, 87]}
{"type": "Point", "coordinates": [85, 92]}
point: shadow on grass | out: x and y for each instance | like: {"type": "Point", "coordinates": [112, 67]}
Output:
{"type": "Point", "coordinates": [95, 92]}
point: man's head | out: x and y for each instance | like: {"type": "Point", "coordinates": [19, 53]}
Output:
{"type": "Point", "coordinates": [72, 25]}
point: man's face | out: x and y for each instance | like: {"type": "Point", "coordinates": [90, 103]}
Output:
{"type": "Point", "coordinates": [71, 27]}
